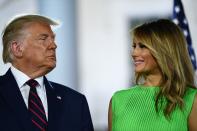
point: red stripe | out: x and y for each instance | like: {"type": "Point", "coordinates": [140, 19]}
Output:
{"type": "Point", "coordinates": [38, 107]}
{"type": "Point", "coordinates": [42, 129]}
{"type": "Point", "coordinates": [36, 96]}
{"type": "Point", "coordinates": [38, 116]}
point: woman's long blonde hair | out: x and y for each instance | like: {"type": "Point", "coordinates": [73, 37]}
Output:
{"type": "Point", "coordinates": [168, 46]}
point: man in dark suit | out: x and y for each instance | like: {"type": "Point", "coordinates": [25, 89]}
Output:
{"type": "Point", "coordinates": [28, 101]}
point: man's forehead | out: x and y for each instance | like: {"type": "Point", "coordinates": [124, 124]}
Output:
{"type": "Point", "coordinates": [39, 28]}
{"type": "Point", "coordinates": [45, 34]}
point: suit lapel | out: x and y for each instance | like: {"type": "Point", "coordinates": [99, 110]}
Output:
{"type": "Point", "coordinates": [54, 106]}
{"type": "Point", "coordinates": [14, 99]}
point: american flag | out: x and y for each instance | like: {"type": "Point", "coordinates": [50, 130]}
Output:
{"type": "Point", "coordinates": [180, 19]}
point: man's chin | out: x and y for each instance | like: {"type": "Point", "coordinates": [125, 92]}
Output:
{"type": "Point", "coordinates": [50, 68]}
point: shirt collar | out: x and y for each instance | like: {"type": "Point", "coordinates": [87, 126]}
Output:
{"type": "Point", "coordinates": [21, 77]}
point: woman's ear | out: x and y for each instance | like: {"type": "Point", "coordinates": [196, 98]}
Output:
{"type": "Point", "coordinates": [16, 48]}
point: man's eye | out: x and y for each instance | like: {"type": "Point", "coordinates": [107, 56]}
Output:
{"type": "Point", "coordinates": [42, 38]}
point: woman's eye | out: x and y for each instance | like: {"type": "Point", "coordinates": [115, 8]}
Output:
{"type": "Point", "coordinates": [134, 45]}
{"type": "Point", "coordinates": [142, 46]}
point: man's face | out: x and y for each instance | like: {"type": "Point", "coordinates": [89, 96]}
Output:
{"type": "Point", "coordinates": [38, 47]}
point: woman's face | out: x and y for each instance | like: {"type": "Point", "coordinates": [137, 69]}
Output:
{"type": "Point", "coordinates": [143, 60]}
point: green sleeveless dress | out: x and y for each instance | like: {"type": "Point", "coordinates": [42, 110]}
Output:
{"type": "Point", "coordinates": [134, 110]}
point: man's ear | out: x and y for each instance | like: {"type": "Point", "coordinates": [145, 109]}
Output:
{"type": "Point", "coordinates": [16, 49]}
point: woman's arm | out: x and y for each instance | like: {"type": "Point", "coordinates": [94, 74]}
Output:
{"type": "Point", "coordinates": [193, 117]}
{"type": "Point", "coordinates": [110, 116]}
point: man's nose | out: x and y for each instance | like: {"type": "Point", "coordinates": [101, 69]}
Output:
{"type": "Point", "coordinates": [52, 44]}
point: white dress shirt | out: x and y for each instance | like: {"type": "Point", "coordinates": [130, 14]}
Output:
{"type": "Point", "coordinates": [21, 80]}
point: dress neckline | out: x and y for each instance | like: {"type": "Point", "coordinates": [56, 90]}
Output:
{"type": "Point", "coordinates": [147, 87]}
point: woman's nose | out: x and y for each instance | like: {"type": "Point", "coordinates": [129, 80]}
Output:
{"type": "Point", "coordinates": [135, 51]}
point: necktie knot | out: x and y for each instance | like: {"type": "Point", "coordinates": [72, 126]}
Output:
{"type": "Point", "coordinates": [32, 83]}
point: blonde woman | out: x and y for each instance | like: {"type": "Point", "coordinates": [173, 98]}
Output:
{"type": "Point", "coordinates": [164, 97]}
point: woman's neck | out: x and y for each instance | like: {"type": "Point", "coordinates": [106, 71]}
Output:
{"type": "Point", "coordinates": [153, 80]}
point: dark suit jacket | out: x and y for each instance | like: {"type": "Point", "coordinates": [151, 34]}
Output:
{"type": "Point", "coordinates": [67, 109]}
